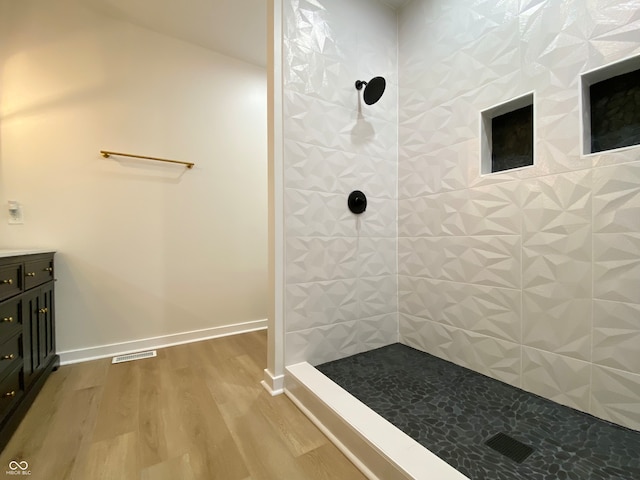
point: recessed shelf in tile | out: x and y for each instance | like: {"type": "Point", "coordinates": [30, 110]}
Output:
{"type": "Point", "coordinates": [611, 106]}
{"type": "Point", "coordinates": [507, 135]}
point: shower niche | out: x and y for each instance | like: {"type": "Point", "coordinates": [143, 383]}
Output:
{"type": "Point", "coordinates": [507, 135]}
{"type": "Point", "coordinates": [611, 106]}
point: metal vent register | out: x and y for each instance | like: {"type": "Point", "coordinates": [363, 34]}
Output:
{"type": "Point", "coordinates": [133, 356]}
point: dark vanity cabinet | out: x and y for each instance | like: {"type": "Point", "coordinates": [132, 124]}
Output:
{"type": "Point", "coordinates": [27, 334]}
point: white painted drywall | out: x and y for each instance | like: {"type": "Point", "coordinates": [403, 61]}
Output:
{"type": "Point", "coordinates": [145, 249]}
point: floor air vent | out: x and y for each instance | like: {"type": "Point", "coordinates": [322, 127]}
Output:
{"type": "Point", "coordinates": [509, 447]}
{"type": "Point", "coordinates": [133, 356]}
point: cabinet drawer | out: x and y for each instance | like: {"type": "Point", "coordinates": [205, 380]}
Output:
{"type": "Point", "coordinates": [10, 280]}
{"type": "Point", "coordinates": [10, 354]}
{"type": "Point", "coordinates": [10, 316]}
{"type": "Point", "coordinates": [37, 272]}
{"type": "Point", "coordinates": [10, 391]}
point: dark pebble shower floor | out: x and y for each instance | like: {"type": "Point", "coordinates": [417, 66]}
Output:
{"type": "Point", "coordinates": [453, 411]}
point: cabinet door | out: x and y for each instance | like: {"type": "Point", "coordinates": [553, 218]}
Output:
{"type": "Point", "coordinates": [46, 329]}
{"type": "Point", "coordinates": [30, 324]}
{"type": "Point", "coordinates": [38, 331]}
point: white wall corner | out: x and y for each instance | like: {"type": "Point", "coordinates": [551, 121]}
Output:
{"type": "Point", "coordinates": [274, 384]}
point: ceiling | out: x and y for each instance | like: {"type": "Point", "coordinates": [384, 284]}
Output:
{"type": "Point", "coordinates": [236, 28]}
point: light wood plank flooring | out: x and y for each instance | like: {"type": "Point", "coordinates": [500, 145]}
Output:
{"type": "Point", "coordinates": [195, 412]}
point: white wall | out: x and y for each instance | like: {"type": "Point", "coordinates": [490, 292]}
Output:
{"type": "Point", "coordinates": [340, 270]}
{"type": "Point", "coordinates": [531, 277]}
{"type": "Point", "coordinates": [145, 249]}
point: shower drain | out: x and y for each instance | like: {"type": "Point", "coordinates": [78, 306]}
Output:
{"type": "Point", "coordinates": [509, 447]}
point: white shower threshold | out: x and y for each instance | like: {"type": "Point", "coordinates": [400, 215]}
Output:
{"type": "Point", "coordinates": [378, 448]}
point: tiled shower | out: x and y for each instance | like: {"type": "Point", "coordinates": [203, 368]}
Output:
{"type": "Point", "coordinates": [530, 276]}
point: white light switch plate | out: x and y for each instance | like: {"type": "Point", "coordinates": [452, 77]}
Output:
{"type": "Point", "coordinates": [15, 213]}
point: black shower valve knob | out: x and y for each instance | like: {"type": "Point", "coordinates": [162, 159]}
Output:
{"type": "Point", "coordinates": [357, 202]}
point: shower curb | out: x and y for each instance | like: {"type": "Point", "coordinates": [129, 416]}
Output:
{"type": "Point", "coordinates": [376, 447]}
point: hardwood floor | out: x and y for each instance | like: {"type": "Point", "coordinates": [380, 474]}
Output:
{"type": "Point", "coordinates": [195, 412]}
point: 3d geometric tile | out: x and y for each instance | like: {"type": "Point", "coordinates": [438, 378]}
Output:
{"type": "Point", "coordinates": [556, 204]}
{"type": "Point", "coordinates": [611, 27]}
{"type": "Point", "coordinates": [558, 129]}
{"type": "Point", "coordinates": [313, 259]}
{"type": "Point", "coordinates": [483, 97]}
{"type": "Point", "coordinates": [376, 175]}
{"type": "Point", "coordinates": [551, 33]}
{"type": "Point", "coordinates": [311, 167]}
{"type": "Point", "coordinates": [616, 335]}
{"type": "Point", "coordinates": [418, 175]}
{"type": "Point", "coordinates": [439, 170]}
{"type": "Point", "coordinates": [420, 217]}
{"type": "Point", "coordinates": [555, 325]}
{"type": "Point", "coordinates": [495, 358]}
{"type": "Point", "coordinates": [371, 136]}
{"type": "Point", "coordinates": [317, 214]}
{"type": "Point", "coordinates": [376, 332]}
{"type": "Point", "coordinates": [616, 198]}
{"type": "Point", "coordinates": [421, 257]}
{"type": "Point", "coordinates": [558, 263]}
{"type": "Point", "coordinates": [556, 377]}
{"type": "Point", "coordinates": [376, 256]}
{"type": "Point", "coordinates": [493, 261]}
{"type": "Point", "coordinates": [322, 344]}
{"type": "Point", "coordinates": [615, 157]}
{"type": "Point", "coordinates": [490, 311]}
{"type": "Point", "coordinates": [431, 337]}
{"type": "Point", "coordinates": [453, 160]}
{"type": "Point", "coordinates": [319, 50]}
{"type": "Point", "coordinates": [309, 305]}
{"type": "Point", "coordinates": [377, 295]}
{"type": "Point", "coordinates": [616, 396]}
{"type": "Point", "coordinates": [498, 50]}
{"type": "Point", "coordinates": [616, 267]}
{"type": "Point", "coordinates": [317, 122]}
{"type": "Point", "coordinates": [557, 235]}
{"type": "Point", "coordinates": [456, 212]}
{"type": "Point", "coordinates": [482, 262]}
{"type": "Point", "coordinates": [495, 210]}
{"type": "Point", "coordinates": [421, 297]}
{"type": "Point", "coordinates": [423, 131]}
{"type": "Point", "coordinates": [339, 267]}
{"type": "Point", "coordinates": [492, 210]}
{"type": "Point", "coordinates": [379, 219]}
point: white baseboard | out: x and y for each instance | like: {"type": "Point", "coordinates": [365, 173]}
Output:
{"type": "Point", "coordinates": [273, 384]}
{"type": "Point", "coordinates": [104, 351]}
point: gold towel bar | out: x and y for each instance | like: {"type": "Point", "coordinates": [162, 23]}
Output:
{"type": "Point", "coordinates": [107, 154]}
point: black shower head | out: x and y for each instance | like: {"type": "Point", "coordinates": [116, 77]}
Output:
{"type": "Point", "coordinates": [373, 90]}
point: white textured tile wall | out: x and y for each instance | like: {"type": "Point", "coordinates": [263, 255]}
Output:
{"type": "Point", "coordinates": [531, 276]}
{"type": "Point", "coordinates": [340, 269]}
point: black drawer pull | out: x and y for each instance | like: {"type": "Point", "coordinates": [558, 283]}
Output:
{"type": "Point", "coordinates": [7, 282]}
{"type": "Point", "coordinates": [7, 320]}
{"type": "Point", "coordinates": [30, 274]}
{"type": "Point", "coordinates": [12, 393]}
{"type": "Point", "coordinates": [11, 356]}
